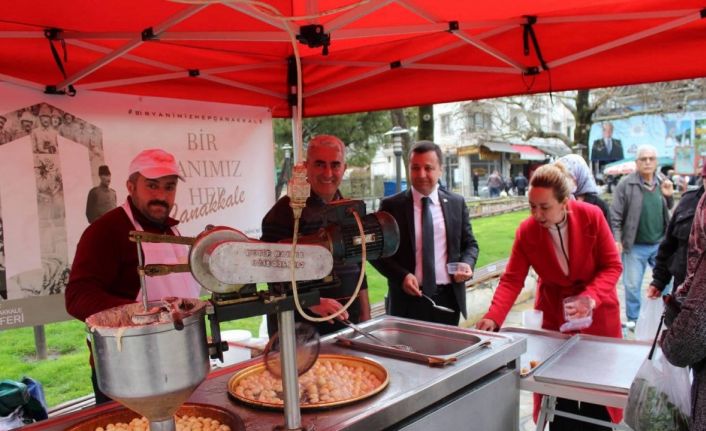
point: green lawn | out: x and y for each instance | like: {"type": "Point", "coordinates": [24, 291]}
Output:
{"type": "Point", "coordinates": [66, 374]}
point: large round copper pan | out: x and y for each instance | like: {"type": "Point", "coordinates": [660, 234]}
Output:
{"type": "Point", "coordinates": [373, 367]}
{"type": "Point", "coordinates": [125, 415]}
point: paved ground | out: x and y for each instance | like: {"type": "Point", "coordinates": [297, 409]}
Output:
{"type": "Point", "coordinates": [515, 319]}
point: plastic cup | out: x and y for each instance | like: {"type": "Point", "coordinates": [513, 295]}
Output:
{"type": "Point", "coordinates": [452, 267]}
{"type": "Point", "coordinates": [582, 304]}
{"type": "Point", "coordinates": [532, 319]}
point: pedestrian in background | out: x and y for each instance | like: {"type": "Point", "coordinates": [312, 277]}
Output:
{"type": "Point", "coordinates": [495, 184]}
{"type": "Point", "coordinates": [671, 255]}
{"type": "Point", "coordinates": [521, 184]}
{"type": "Point", "coordinates": [639, 216]}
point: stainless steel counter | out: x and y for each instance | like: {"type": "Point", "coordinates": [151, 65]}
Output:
{"type": "Point", "coordinates": [416, 392]}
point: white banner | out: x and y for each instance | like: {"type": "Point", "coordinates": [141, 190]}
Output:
{"type": "Point", "coordinates": [51, 149]}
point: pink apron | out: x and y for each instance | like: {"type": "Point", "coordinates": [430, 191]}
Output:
{"type": "Point", "coordinates": [181, 284]}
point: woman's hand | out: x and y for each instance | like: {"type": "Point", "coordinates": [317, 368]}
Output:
{"type": "Point", "coordinates": [486, 325]}
{"type": "Point", "coordinates": [581, 307]}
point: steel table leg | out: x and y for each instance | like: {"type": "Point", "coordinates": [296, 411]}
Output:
{"type": "Point", "coordinates": [544, 406]}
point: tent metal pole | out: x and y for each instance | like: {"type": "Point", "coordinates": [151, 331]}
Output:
{"type": "Point", "coordinates": [476, 42]}
{"type": "Point", "coordinates": [177, 18]}
{"type": "Point", "coordinates": [21, 82]}
{"type": "Point", "coordinates": [254, 13]}
{"type": "Point", "coordinates": [355, 14]}
{"type": "Point", "coordinates": [137, 59]}
{"type": "Point", "coordinates": [382, 69]}
{"type": "Point", "coordinates": [242, 86]}
{"type": "Point", "coordinates": [691, 17]}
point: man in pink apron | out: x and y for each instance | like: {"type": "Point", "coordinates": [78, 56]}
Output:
{"type": "Point", "coordinates": [104, 270]}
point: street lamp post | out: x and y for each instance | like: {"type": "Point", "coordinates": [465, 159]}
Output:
{"type": "Point", "coordinates": [397, 150]}
{"type": "Point", "coordinates": [397, 133]}
{"type": "Point", "coordinates": [449, 170]}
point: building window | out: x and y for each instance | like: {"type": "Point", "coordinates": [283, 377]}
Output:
{"type": "Point", "coordinates": [476, 121]}
{"type": "Point", "coordinates": [445, 124]}
{"type": "Point", "coordinates": [556, 126]}
{"type": "Point", "coordinates": [514, 123]}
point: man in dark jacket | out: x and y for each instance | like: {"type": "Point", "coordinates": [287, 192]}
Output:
{"type": "Point", "coordinates": [521, 184]}
{"type": "Point", "coordinates": [435, 230]}
{"type": "Point", "coordinates": [671, 255]}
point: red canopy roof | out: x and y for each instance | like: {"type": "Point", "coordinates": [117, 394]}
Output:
{"type": "Point", "coordinates": [382, 54]}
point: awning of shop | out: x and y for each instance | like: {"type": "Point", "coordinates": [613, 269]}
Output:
{"type": "Point", "coordinates": [499, 147]}
{"type": "Point", "coordinates": [528, 152]}
{"type": "Point", "coordinates": [468, 150]}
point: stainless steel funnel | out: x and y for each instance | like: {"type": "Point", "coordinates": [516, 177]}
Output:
{"type": "Point", "coordinates": [151, 369]}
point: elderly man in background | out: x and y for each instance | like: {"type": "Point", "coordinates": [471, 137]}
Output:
{"type": "Point", "coordinates": [325, 165]}
{"type": "Point", "coordinates": [639, 217]}
{"type": "Point", "coordinates": [104, 271]}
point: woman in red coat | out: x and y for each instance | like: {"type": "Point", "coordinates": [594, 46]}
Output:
{"type": "Point", "coordinates": [571, 248]}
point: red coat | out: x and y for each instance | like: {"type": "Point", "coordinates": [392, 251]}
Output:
{"type": "Point", "coordinates": [594, 269]}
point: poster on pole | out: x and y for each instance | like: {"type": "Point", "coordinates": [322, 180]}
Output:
{"type": "Point", "coordinates": [611, 141]}
{"type": "Point", "coordinates": [55, 155]}
{"type": "Point", "coordinates": [685, 162]}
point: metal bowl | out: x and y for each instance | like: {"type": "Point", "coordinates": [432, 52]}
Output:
{"type": "Point", "coordinates": [125, 415]}
{"type": "Point", "coordinates": [373, 367]}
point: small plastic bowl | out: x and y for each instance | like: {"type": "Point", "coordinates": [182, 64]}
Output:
{"type": "Point", "coordinates": [452, 267]}
{"type": "Point", "coordinates": [532, 319]}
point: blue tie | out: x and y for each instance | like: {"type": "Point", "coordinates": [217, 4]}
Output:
{"type": "Point", "coordinates": [428, 272]}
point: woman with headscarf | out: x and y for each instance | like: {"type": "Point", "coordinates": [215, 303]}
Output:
{"type": "Point", "coordinates": [586, 189]}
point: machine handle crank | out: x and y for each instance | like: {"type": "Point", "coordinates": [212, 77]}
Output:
{"type": "Point", "coordinates": [136, 235]}
{"type": "Point", "coordinates": [157, 269]}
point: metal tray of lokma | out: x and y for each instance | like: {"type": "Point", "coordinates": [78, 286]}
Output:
{"type": "Point", "coordinates": [541, 345]}
{"type": "Point", "coordinates": [430, 343]}
{"type": "Point", "coordinates": [595, 362]}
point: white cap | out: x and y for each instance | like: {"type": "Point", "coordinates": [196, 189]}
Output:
{"type": "Point", "coordinates": [154, 163]}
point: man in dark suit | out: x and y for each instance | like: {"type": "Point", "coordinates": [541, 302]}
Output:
{"type": "Point", "coordinates": [435, 229]}
{"type": "Point", "coordinates": [607, 149]}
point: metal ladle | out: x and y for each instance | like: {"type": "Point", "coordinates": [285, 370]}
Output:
{"type": "Point", "coordinates": [375, 338]}
{"type": "Point", "coordinates": [438, 307]}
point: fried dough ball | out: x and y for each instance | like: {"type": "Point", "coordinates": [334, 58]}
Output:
{"type": "Point", "coordinates": [183, 423]}
{"type": "Point", "coordinates": [327, 381]}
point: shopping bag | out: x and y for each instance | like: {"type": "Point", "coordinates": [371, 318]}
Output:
{"type": "Point", "coordinates": [12, 395]}
{"type": "Point", "coordinates": [12, 420]}
{"type": "Point", "coordinates": [36, 407]}
{"type": "Point", "coordinates": [648, 320]}
{"type": "Point", "coordinates": [660, 396]}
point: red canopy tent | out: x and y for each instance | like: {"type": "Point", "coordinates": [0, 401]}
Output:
{"type": "Point", "coordinates": [382, 53]}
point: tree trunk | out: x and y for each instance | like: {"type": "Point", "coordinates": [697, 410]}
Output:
{"type": "Point", "coordinates": [399, 119]}
{"type": "Point", "coordinates": [285, 174]}
{"type": "Point", "coordinates": [584, 120]}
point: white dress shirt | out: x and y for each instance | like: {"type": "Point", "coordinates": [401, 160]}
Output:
{"type": "Point", "coordinates": [440, 255]}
